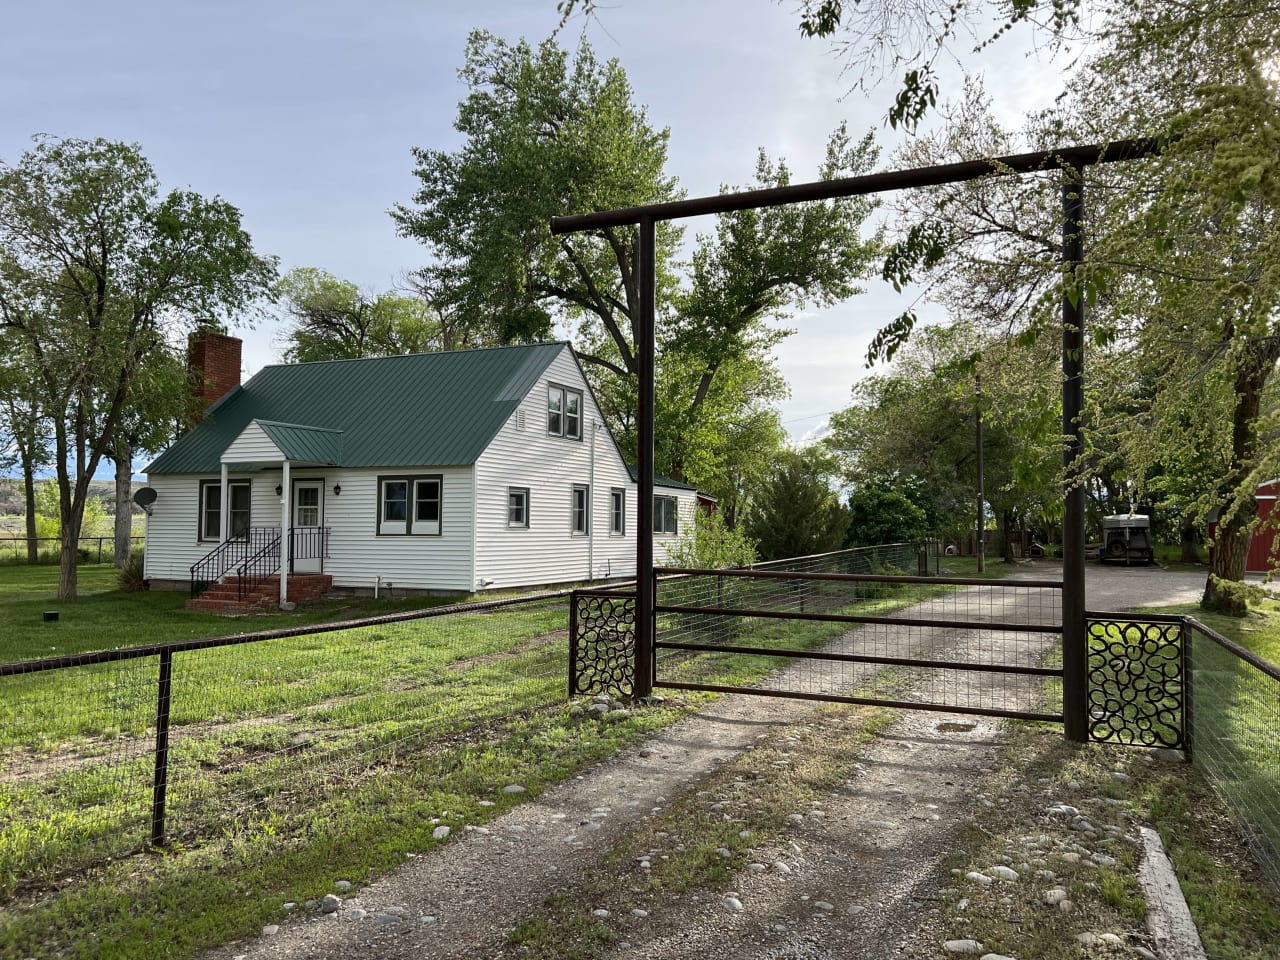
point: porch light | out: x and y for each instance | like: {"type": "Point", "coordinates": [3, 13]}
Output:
{"type": "Point", "coordinates": [337, 489]}
{"type": "Point", "coordinates": [279, 489]}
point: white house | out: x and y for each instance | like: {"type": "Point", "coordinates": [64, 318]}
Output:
{"type": "Point", "coordinates": [451, 472]}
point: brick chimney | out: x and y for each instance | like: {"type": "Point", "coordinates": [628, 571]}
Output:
{"type": "Point", "coordinates": [213, 365]}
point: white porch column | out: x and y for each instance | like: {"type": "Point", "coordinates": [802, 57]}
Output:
{"type": "Point", "coordinates": [225, 496]}
{"type": "Point", "coordinates": [284, 534]}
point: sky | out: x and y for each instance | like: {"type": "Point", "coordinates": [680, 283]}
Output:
{"type": "Point", "coordinates": [303, 113]}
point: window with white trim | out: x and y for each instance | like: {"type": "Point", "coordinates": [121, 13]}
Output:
{"type": "Point", "coordinates": [426, 506]}
{"type": "Point", "coordinates": [617, 511]}
{"type": "Point", "coordinates": [239, 494]}
{"type": "Point", "coordinates": [518, 507]}
{"type": "Point", "coordinates": [665, 519]}
{"type": "Point", "coordinates": [564, 412]}
{"type": "Point", "coordinates": [581, 509]}
{"type": "Point", "coordinates": [410, 505]}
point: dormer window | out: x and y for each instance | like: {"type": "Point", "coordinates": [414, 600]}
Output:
{"type": "Point", "coordinates": [564, 412]}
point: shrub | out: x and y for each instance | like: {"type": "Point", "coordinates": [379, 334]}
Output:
{"type": "Point", "coordinates": [711, 545]}
{"type": "Point", "coordinates": [130, 578]}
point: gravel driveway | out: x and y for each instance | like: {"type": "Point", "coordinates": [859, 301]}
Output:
{"type": "Point", "coordinates": [872, 857]}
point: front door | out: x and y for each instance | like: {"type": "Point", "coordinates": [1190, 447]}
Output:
{"type": "Point", "coordinates": [307, 548]}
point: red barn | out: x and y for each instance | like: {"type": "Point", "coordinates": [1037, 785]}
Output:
{"type": "Point", "coordinates": [1264, 554]}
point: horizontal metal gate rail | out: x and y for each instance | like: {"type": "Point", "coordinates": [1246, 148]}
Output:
{"type": "Point", "coordinates": [796, 585]}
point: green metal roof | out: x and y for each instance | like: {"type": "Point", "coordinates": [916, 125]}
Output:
{"type": "Point", "coordinates": [437, 409]}
{"type": "Point", "coordinates": [304, 444]}
{"type": "Point", "coordinates": [659, 480]}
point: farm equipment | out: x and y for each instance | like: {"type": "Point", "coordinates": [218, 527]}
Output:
{"type": "Point", "coordinates": [1127, 537]}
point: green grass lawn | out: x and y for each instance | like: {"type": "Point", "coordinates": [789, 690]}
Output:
{"type": "Point", "coordinates": [102, 618]}
{"type": "Point", "coordinates": [293, 762]}
{"type": "Point", "coordinates": [1258, 631]}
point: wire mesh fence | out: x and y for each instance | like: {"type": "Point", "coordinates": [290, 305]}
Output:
{"type": "Point", "coordinates": [1235, 735]}
{"type": "Point", "coordinates": [849, 626]}
{"type": "Point", "coordinates": [253, 728]}
{"type": "Point", "coordinates": [15, 550]}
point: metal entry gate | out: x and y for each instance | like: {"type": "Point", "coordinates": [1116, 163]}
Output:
{"type": "Point", "coordinates": [931, 643]}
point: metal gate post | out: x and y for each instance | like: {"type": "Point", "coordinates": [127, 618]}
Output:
{"type": "Point", "coordinates": [160, 782]}
{"type": "Point", "coordinates": [1075, 652]}
{"type": "Point", "coordinates": [648, 268]}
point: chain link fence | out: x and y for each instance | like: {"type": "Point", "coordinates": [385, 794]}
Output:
{"type": "Point", "coordinates": [103, 753]}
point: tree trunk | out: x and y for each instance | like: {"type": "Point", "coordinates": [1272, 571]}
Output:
{"type": "Point", "coordinates": [1222, 591]}
{"type": "Point", "coordinates": [1227, 562]}
{"type": "Point", "coordinates": [1190, 543]}
{"type": "Point", "coordinates": [67, 560]}
{"type": "Point", "coordinates": [124, 508]}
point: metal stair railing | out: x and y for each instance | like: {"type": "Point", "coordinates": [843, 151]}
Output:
{"type": "Point", "coordinates": [258, 567]}
{"type": "Point", "coordinates": [214, 565]}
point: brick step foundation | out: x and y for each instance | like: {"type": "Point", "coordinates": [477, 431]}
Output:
{"type": "Point", "coordinates": [221, 597]}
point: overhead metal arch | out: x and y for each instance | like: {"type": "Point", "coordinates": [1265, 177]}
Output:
{"type": "Point", "coordinates": [1070, 161]}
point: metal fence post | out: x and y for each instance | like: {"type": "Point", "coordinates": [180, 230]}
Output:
{"type": "Point", "coordinates": [573, 644]}
{"type": "Point", "coordinates": [1075, 640]}
{"type": "Point", "coordinates": [1186, 635]}
{"type": "Point", "coordinates": [645, 580]}
{"type": "Point", "coordinates": [161, 781]}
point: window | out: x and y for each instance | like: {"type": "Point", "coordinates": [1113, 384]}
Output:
{"type": "Point", "coordinates": [306, 502]}
{"type": "Point", "coordinates": [564, 412]}
{"type": "Point", "coordinates": [581, 509]}
{"type": "Point", "coordinates": [517, 506]}
{"type": "Point", "coordinates": [617, 511]}
{"type": "Point", "coordinates": [239, 493]}
{"type": "Point", "coordinates": [409, 505]}
{"type": "Point", "coordinates": [664, 515]}
{"type": "Point", "coordinates": [426, 506]}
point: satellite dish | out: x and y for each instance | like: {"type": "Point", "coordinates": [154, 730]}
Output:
{"type": "Point", "coordinates": [144, 498]}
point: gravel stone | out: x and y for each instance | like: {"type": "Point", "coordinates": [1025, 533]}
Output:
{"type": "Point", "coordinates": [732, 904]}
{"type": "Point", "coordinates": [330, 903]}
{"type": "Point", "coordinates": [966, 945]}
{"type": "Point", "coordinates": [439, 833]}
{"type": "Point", "coordinates": [271, 929]}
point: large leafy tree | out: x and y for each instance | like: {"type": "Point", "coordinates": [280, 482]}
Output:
{"type": "Point", "coordinates": [23, 429]}
{"type": "Point", "coordinates": [913, 429]}
{"type": "Point", "coordinates": [1181, 286]}
{"type": "Point", "coordinates": [98, 269]}
{"type": "Point", "coordinates": [547, 133]}
{"type": "Point", "coordinates": [333, 319]}
{"type": "Point", "coordinates": [797, 511]}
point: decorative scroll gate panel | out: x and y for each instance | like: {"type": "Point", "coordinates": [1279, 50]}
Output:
{"type": "Point", "coordinates": [956, 645]}
{"type": "Point", "coordinates": [1137, 681]}
{"type": "Point", "coordinates": [602, 643]}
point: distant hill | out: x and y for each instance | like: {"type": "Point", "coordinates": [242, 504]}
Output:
{"type": "Point", "coordinates": [11, 496]}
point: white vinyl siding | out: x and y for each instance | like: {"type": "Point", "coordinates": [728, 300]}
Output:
{"type": "Point", "coordinates": [252, 446]}
{"type": "Point", "coordinates": [357, 555]}
{"type": "Point", "coordinates": [548, 552]}
{"type": "Point", "coordinates": [173, 528]}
